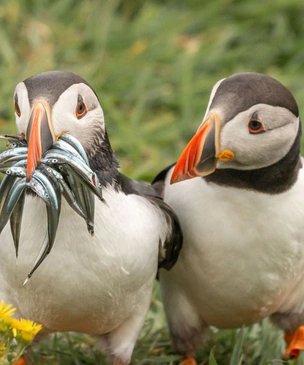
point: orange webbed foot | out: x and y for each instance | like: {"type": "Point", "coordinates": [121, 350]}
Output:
{"type": "Point", "coordinates": [188, 361]}
{"type": "Point", "coordinates": [20, 361]}
{"type": "Point", "coordinates": [295, 342]}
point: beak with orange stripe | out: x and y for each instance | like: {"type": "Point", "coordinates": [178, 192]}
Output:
{"type": "Point", "coordinates": [202, 153]}
{"type": "Point", "coordinates": [39, 135]}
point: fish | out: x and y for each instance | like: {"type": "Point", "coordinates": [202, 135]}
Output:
{"type": "Point", "coordinates": [15, 143]}
{"type": "Point", "coordinates": [16, 152]}
{"type": "Point", "coordinates": [64, 157]}
{"type": "Point", "coordinates": [11, 200]}
{"type": "Point", "coordinates": [64, 146]}
{"type": "Point", "coordinates": [70, 165]}
{"type": "Point", "coordinates": [66, 191]}
{"type": "Point", "coordinates": [6, 185]}
{"type": "Point", "coordinates": [82, 196]}
{"type": "Point", "coordinates": [76, 144]}
{"type": "Point", "coordinates": [15, 170]}
{"type": "Point", "coordinates": [63, 171]}
{"type": "Point", "coordinates": [52, 197]}
{"type": "Point", "coordinates": [16, 220]}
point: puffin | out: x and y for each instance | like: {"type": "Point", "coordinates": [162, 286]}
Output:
{"type": "Point", "coordinates": [99, 285]}
{"type": "Point", "coordinates": [237, 189]}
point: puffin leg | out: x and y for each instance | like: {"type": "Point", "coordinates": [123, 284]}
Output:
{"type": "Point", "coordinates": [293, 326]}
{"type": "Point", "coordinates": [187, 329]}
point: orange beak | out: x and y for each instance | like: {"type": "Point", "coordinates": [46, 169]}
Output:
{"type": "Point", "coordinates": [39, 135]}
{"type": "Point", "coordinates": [200, 156]}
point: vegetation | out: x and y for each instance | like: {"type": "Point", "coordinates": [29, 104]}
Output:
{"type": "Point", "coordinates": [153, 64]}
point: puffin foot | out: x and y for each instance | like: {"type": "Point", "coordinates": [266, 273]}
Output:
{"type": "Point", "coordinates": [295, 343]}
{"type": "Point", "coordinates": [20, 361]}
{"type": "Point", "coordinates": [188, 361]}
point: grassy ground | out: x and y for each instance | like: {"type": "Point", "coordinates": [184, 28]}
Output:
{"type": "Point", "coordinates": [153, 64]}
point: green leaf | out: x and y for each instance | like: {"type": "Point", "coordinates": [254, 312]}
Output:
{"type": "Point", "coordinates": [237, 356]}
{"type": "Point", "coordinates": [212, 360]}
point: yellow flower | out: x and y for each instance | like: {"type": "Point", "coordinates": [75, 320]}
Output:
{"type": "Point", "coordinates": [6, 310]}
{"type": "Point", "coordinates": [5, 323]}
{"type": "Point", "coordinates": [25, 329]}
{"type": "Point", "coordinates": [2, 349]}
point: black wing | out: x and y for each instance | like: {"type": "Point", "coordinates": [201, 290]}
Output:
{"type": "Point", "coordinates": [170, 248]}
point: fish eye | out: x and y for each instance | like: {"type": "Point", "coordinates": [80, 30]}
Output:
{"type": "Point", "coordinates": [16, 106]}
{"type": "Point", "coordinates": [81, 108]}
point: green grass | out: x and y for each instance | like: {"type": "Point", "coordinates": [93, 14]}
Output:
{"type": "Point", "coordinates": [153, 64]}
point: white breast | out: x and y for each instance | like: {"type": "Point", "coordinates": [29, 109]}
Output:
{"type": "Point", "coordinates": [85, 284]}
{"type": "Point", "coordinates": [243, 254]}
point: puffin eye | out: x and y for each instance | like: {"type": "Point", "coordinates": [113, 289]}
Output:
{"type": "Point", "coordinates": [16, 106]}
{"type": "Point", "coordinates": [81, 108]}
{"type": "Point", "coordinates": [254, 125]}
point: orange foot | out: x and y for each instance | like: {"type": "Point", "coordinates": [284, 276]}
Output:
{"type": "Point", "coordinates": [295, 342]}
{"type": "Point", "coordinates": [20, 361]}
{"type": "Point", "coordinates": [188, 361]}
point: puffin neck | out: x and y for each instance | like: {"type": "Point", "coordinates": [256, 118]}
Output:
{"type": "Point", "coordinates": [104, 162]}
{"type": "Point", "coordinates": [273, 179]}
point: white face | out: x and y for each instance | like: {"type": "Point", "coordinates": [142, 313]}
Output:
{"type": "Point", "coordinates": [63, 113]}
{"type": "Point", "coordinates": [257, 150]}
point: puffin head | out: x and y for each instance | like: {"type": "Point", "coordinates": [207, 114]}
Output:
{"type": "Point", "coordinates": [50, 104]}
{"type": "Point", "coordinates": [251, 122]}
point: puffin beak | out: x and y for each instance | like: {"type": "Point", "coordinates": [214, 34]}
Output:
{"type": "Point", "coordinates": [39, 135]}
{"type": "Point", "coordinates": [200, 156]}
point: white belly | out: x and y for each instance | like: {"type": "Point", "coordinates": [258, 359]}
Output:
{"type": "Point", "coordinates": [86, 285]}
{"type": "Point", "coordinates": [243, 254]}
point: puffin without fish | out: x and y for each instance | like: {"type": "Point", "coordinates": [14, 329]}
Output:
{"type": "Point", "coordinates": [238, 193]}
{"type": "Point", "coordinates": [100, 285]}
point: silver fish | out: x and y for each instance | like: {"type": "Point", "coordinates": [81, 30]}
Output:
{"type": "Point", "coordinates": [70, 166]}
{"type": "Point", "coordinates": [14, 171]}
{"type": "Point", "coordinates": [88, 203]}
{"type": "Point", "coordinates": [78, 165]}
{"type": "Point", "coordinates": [81, 196]}
{"type": "Point", "coordinates": [63, 170]}
{"type": "Point", "coordinates": [11, 200]}
{"type": "Point", "coordinates": [68, 169]}
{"type": "Point", "coordinates": [53, 199]}
{"type": "Point", "coordinates": [64, 146]}
{"type": "Point", "coordinates": [76, 144]}
{"type": "Point", "coordinates": [66, 191]}
{"type": "Point", "coordinates": [5, 187]}
{"type": "Point", "coordinates": [43, 252]}
{"type": "Point", "coordinates": [16, 152]}
{"type": "Point", "coordinates": [15, 143]}
{"type": "Point", "coordinates": [16, 220]}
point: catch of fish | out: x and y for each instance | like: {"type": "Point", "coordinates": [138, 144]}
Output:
{"type": "Point", "coordinates": [63, 171]}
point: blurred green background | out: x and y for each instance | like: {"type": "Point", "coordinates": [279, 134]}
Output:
{"type": "Point", "coordinates": [153, 64]}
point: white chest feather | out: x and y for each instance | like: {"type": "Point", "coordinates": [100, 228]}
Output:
{"type": "Point", "coordinates": [85, 284]}
{"type": "Point", "coordinates": [243, 254]}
